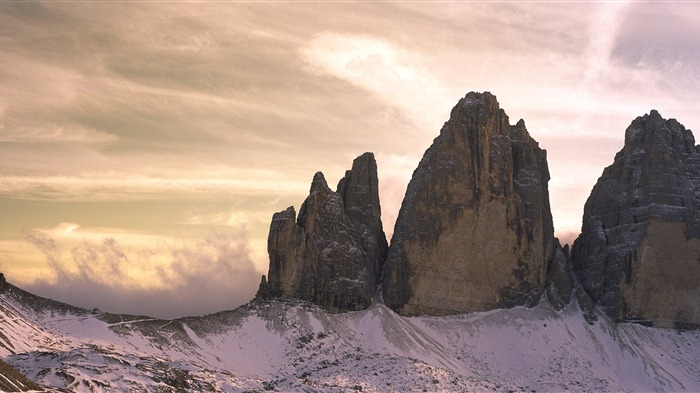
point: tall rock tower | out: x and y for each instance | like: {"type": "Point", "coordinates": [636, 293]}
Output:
{"type": "Point", "coordinates": [475, 229]}
{"type": "Point", "coordinates": [638, 254]}
{"type": "Point", "coordinates": [333, 253]}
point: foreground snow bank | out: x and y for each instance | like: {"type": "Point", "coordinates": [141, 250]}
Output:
{"type": "Point", "coordinates": [294, 346]}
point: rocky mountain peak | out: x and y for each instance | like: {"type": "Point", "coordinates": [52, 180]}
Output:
{"type": "Point", "coordinates": [654, 135]}
{"type": "Point", "coordinates": [359, 189]}
{"type": "Point", "coordinates": [319, 184]}
{"type": "Point", "coordinates": [637, 253]}
{"type": "Point", "coordinates": [333, 252]}
{"type": "Point", "coordinates": [475, 229]}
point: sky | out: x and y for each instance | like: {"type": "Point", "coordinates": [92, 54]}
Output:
{"type": "Point", "coordinates": [144, 146]}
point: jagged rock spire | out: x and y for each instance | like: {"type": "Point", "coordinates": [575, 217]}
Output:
{"type": "Point", "coordinates": [333, 252]}
{"type": "Point", "coordinates": [359, 189]}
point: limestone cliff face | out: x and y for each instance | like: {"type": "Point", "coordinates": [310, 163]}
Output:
{"type": "Point", "coordinates": [475, 229]}
{"type": "Point", "coordinates": [638, 255]}
{"type": "Point", "coordinates": [333, 252]}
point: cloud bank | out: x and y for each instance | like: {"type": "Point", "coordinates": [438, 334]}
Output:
{"type": "Point", "coordinates": [163, 280]}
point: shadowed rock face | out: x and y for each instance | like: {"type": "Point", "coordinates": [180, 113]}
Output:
{"type": "Point", "coordinates": [475, 229]}
{"type": "Point", "coordinates": [333, 253]}
{"type": "Point", "coordinates": [360, 192]}
{"type": "Point", "coordinates": [638, 255]}
{"type": "Point", "coordinates": [12, 380]}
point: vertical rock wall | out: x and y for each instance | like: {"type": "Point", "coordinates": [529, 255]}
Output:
{"type": "Point", "coordinates": [638, 255]}
{"type": "Point", "coordinates": [475, 229]}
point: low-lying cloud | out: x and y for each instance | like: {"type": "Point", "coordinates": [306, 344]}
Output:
{"type": "Point", "coordinates": [164, 280]}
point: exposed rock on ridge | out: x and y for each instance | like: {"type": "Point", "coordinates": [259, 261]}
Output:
{"type": "Point", "coordinates": [12, 380]}
{"type": "Point", "coordinates": [562, 286]}
{"type": "Point", "coordinates": [333, 253]}
{"type": "Point", "coordinates": [475, 229]}
{"type": "Point", "coordinates": [638, 255]}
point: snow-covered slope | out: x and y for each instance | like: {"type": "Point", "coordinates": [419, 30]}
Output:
{"type": "Point", "coordinates": [294, 346]}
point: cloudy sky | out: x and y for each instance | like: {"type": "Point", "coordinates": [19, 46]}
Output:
{"type": "Point", "coordinates": [144, 146]}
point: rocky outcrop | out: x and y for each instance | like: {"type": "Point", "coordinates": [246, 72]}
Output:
{"type": "Point", "coordinates": [12, 380]}
{"type": "Point", "coordinates": [2, 281]}
{"type": "Point", "coordinates": [560, 278]}
{"type": "Point", "coordinates": [562, 287]}
{"type": "Point", "coordinates": [639, 251]}
{"type": "Point", "coordinates": [333, 253]}
{"type": "Point", "coordinates": [475, 229]}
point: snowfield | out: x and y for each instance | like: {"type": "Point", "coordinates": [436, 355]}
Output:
{"type": "Point", "coordinates": [295, 346]}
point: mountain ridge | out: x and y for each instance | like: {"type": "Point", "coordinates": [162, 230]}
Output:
{"type": "Point", "coordinates": [293, 345]}
{"type": "Point", "coordinates": [475, 230]}
{"type": "Point", "coordinates": [319, 323]}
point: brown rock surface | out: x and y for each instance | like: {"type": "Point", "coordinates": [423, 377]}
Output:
{"type": "Point", "coordinates": [475, 230]}
{"type": "Point", "coordinates": [333, 252]}
{"type": "Point", "coordinates": [638, 255]}
{"type": "Point", "coordinates": [12, 380]}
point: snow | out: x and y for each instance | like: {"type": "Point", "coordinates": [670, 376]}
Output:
{"type": "Point", "coordinates": [294, 346]}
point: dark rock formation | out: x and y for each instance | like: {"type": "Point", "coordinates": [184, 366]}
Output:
{"type": "Point", "coordinates": [562, 287]}
{"type": "Point", "coordinates": [638, 255]}
{"type": "Point", "coordinates": [333, 253]}
{"type": "Point", "coordinates": [560, 278]}
{"type": "Point", "coordinates": [360, 192]}
{"type": "Point", "coordinates": [12, 380]}
{"type": "Point", "coordinates": [2, 280]}
{"type": "Point", "coordinates": [475, 229]}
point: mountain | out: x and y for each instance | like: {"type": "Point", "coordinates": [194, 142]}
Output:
{"type": "Point", "coordinates": [639, 249]}
{"type": "Point", "coordinates": [332, 254]}
{"type": "Point", "coordinates": [475, 231]}
{"type": "Point", "coordinates": [290, 345]}
{"type": "Point", "coordinates": [479, 294]}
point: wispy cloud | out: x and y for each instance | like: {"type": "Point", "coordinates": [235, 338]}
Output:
{"type": "Point", "coordinates": [603, 36]}
{"type": "Point", "coordinates": [56, 133]}
{"type": "Point", "coordinates": [391, 72]}
{"type": "Point", "coordinates": [120, 186]}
